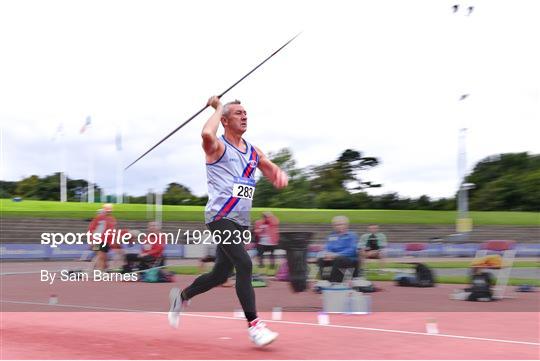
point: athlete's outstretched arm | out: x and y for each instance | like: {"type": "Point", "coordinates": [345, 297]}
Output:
{"type": "Point", "coordinates": [271, 171]}
{"type": "Point", "coordinates": [211, 144]}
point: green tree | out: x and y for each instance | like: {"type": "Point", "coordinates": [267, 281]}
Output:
{"type": "Point", "coordinates": [176, 193]}
{"type": "Point", "coordinates": [27, 187]}
{"type": "Point", "coordinates": [335, 199]}
{"type": "Point", "coordinates": [297, 194]}
{"type": "Point", "coordinates": [386, 201]}
{"type": "Point", "coordinates": [362, 200]}
{"type": "Point", "coordinates": [423, 202]}
{"type": "Point", "coordinates": [343, 173]}
{"type": "Point", "coordinates": [7, 189]}
{"type": "Point", "coordinates": [506, 182]}
{"type": "Point", "coordinates": [530, 184]}
{"type": "Point", "coordinates": [444, 204]}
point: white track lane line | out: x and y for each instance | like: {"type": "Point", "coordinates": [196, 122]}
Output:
{"type": "Point", "coordinates": [112, 309]}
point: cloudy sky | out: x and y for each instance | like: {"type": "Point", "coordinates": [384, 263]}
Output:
{"type": "Point", "coordinates": [382, 77]}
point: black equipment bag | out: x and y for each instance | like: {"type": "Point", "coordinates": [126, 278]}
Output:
{"type": "Point", "coordinates": [480, 287]}
{"type": "Point", "coordinates": [424, 276]}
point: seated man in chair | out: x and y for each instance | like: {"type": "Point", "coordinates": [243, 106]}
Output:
{"type": "Point", "coordinates": [372, 244]}
{"type": "Point", "coordinates": [152, 254]}
{"type": "Point", "coordinates": [340, 251]}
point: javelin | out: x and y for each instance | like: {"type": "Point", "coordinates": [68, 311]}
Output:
{"type": "Point", "coordinates": [206, 106]}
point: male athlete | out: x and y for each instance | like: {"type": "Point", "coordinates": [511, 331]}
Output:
{"type": "Point", "coordinates": [230, 168]}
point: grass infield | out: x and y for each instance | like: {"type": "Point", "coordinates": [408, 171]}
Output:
{"type": "Point", "coordinates": [78, 210]}
{"type": "Point", "coordinates": [372, 275]}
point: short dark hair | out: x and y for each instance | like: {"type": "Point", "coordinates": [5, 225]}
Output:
{"type": "Point", "coordinates": [227, 106]}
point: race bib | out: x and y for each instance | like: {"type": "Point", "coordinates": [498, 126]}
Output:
{"type": "Point", "coordinates": [243, 188]}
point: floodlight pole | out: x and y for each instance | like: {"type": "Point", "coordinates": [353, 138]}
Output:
{"type": "Point", "coordinates": [464, 223]}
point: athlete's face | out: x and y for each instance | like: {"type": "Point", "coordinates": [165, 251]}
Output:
{"type": "Point", "coordinates": [236, 119]}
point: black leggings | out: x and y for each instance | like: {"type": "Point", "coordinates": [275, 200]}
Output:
{"type": "Point", "coordinates": [261, 249]}
{"type": "Point", "coordinates": [228, 256]}
{"type": "Point", "coordinates": [337, 263]}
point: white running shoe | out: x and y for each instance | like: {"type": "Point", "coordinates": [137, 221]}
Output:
{"type": "Point", "coordinates": [261, 335]}
{"type": "Point", "coordinates": [176, 307]}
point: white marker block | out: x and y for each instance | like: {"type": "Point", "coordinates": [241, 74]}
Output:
{"type": "Point", "coordinates": [323, 318]}
{"type": "Point", "coordinates": [277, 313]}
{"type": "Point", "coordinates": [53, 300]}
{"type": "Point", "coordinates": [432, 328]}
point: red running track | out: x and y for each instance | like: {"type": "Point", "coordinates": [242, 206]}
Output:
{"type": "Point", "coordinates": [74, 332]}
{"type": "Point", "coordinates": [146, 335]}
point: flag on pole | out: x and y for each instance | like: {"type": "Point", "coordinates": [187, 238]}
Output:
{"type": "Point", "coordinates": [87, 122]}
{"type": "Point", "coordinates": [118, 141]}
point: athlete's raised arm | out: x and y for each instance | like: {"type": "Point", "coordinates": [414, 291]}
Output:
{"type": "Point", "coordinates": [270, 170]}
{"type": "Point", "coordinates": [213, 148]}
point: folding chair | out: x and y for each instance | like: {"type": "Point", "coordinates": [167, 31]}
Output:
{"type": "Point", "coordinates": [503, 274]}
